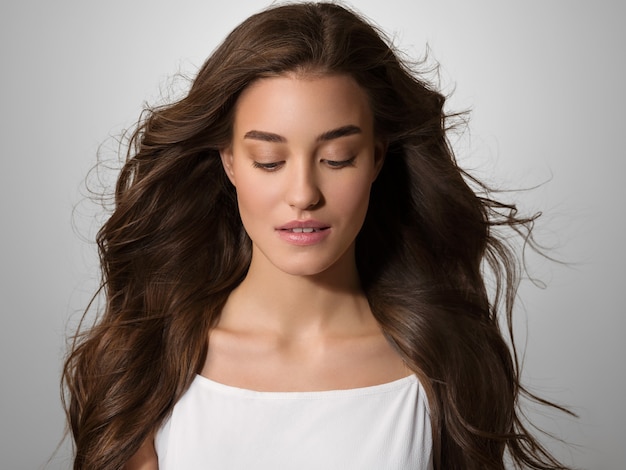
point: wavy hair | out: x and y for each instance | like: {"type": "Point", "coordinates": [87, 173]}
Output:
{"type": "Point", "coordinates": [174, 248]}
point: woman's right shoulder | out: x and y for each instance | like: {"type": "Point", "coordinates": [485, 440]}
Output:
{"type": "Point", "coordinates": [145, 458]}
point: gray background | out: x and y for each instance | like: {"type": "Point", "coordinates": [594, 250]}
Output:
{"type": "Point", "coordinates": [545, 80]}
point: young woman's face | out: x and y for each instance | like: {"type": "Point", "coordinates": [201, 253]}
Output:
{"type": "Point", "coordinates": [303, 158]}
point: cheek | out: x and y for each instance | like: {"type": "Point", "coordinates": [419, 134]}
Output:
{"type": "Point", "coordinates": [351, 199]}
{"type": "Point", "coordinates": [255, 198]}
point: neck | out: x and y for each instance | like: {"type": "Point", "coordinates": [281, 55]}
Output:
{"type": "Point", "coordinates": [272, 301]}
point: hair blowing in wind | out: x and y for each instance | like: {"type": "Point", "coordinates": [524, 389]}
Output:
{"type": "Point", "coordinates": [174, 248]}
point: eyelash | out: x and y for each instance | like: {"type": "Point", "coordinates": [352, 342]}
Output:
{"type": "Point", "coordinates": [334, 164]}
{"type": "Point", "coordinates": [267, 166]}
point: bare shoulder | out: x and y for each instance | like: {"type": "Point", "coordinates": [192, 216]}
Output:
{"type": "Point", "coordinates": [370, 360]}
{"type": "Point", "coordinates": [145, 458]}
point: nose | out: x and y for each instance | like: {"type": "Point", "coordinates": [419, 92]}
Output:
{"type": "Point", "coordinates": [303, 191]}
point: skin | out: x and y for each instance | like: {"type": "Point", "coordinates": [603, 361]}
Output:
{"type": "Point", "coordinates": [145, 458]}
{"type": "Point", "coordinates": [303, 148]}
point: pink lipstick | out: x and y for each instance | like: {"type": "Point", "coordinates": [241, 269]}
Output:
{"type": "Point", "coordinates": [303, 232]}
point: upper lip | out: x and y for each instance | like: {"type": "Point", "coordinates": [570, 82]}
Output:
{"type": "Point", "coordinates": [310, 223]}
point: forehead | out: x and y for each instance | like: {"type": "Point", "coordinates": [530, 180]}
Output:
{"type": "Point", "coordinates": [295, 102]}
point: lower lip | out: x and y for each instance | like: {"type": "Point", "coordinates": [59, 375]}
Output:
{"type": "Point", "coordinates": [303, 238]}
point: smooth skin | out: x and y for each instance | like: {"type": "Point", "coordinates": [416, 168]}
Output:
{"type": "Point", "coordinates": [303, 149]}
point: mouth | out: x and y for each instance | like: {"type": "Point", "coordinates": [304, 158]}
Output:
{"type": "Point", "coordinates": [303, 226]}
{"type": "Point", "coordinates": [303, 232]}
{"type": "Point", "coordinates": [303, 229]}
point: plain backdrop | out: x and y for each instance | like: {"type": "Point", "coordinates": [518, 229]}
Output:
{"type": "Point", "coordinates": [545, 83]}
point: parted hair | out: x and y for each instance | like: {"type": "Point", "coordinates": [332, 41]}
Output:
{"type": "Point", "coordinates": [174, 248]}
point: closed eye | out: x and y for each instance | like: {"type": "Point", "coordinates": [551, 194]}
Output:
{"type": "Point", "coordinates": [336, 164]}
{"type": "Point", "coordinates": [272, 166]}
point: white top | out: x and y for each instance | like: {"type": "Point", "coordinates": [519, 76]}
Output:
{"type": "Point", "coordinates": [216, 426]}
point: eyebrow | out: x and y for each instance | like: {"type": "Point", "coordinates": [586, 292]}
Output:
{"type": "Point", "coordinates": [325, 136]}
{"type": "Point", "coordinates": [339, 132]}
{"type": "Point", "coordinates": [265, 136]}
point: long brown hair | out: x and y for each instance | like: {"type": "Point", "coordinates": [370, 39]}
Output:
{"type": "Point", "coordinates": [174, 248]}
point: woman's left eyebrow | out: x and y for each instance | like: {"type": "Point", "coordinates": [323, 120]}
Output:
{"type": "Point", "coordinates": [339, 132]}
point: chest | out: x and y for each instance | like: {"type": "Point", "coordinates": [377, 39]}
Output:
{"type": "Point", "coordinates": [266, 365]}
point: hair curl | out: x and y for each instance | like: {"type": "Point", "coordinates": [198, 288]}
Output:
{"type": "Point", "coordinates": [174, 248]}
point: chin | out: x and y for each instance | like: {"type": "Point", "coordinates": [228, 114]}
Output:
{"type": "Point", "coordinates": [301, 269]}
{"type": "Point", "coordinates": [314, 264]}
{"type": "Point", "coordinates": [308, 262]}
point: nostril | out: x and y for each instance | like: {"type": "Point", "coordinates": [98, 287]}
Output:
{"type": "Point", "coordinates": [304, 197]}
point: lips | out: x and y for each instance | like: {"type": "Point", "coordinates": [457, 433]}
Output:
{"type": "Point", "coordinates": [303, 232]}
{"type": "Point", "coordinates": [304, 226]}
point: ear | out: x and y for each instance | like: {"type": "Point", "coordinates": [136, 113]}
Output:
{"type": "Point", "coordinates": [380, 150]}
{"type": "Point", "coordinates": [226, 155]}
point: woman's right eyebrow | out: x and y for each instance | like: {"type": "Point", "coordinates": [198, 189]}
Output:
{"type": "Point", "coordinates": [265, 136]}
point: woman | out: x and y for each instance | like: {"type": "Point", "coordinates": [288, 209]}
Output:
{"type": "Point", "coordinates": [294, 273]}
